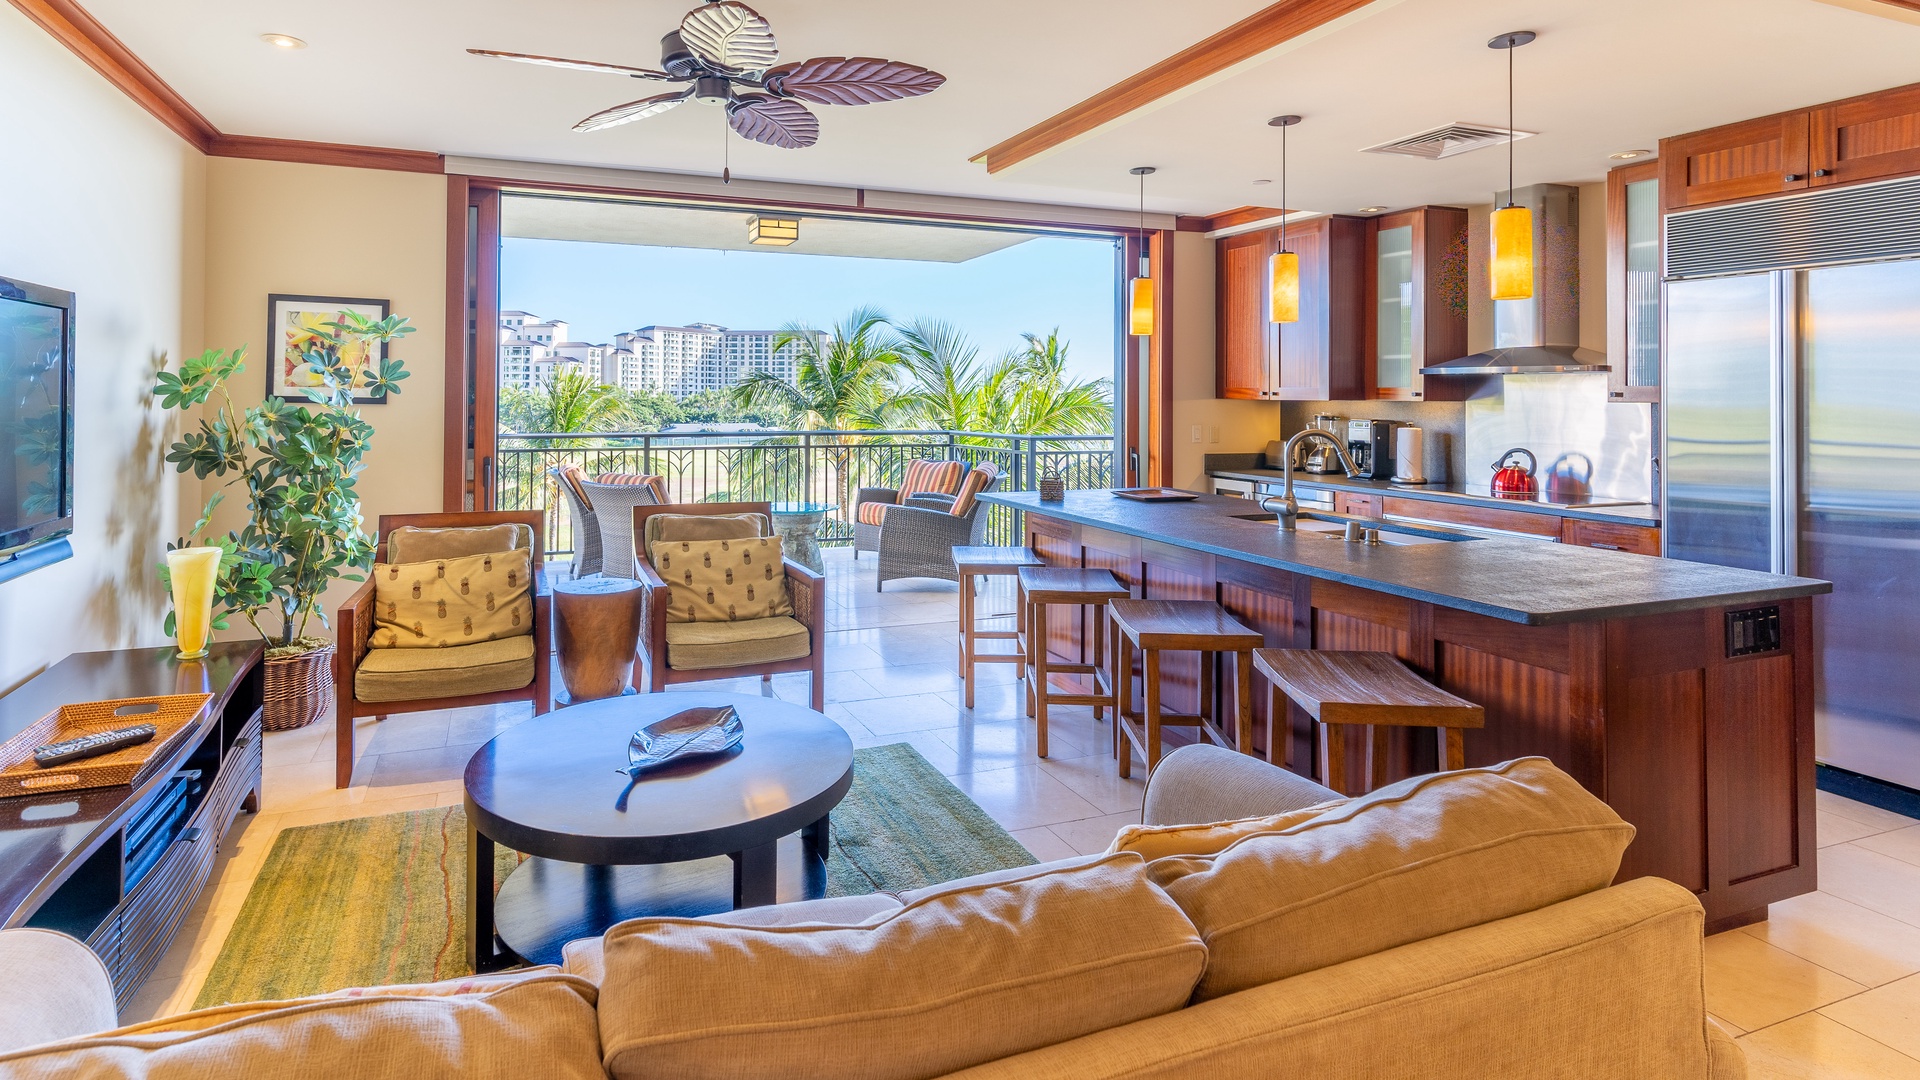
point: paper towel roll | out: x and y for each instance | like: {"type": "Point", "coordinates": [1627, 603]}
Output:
{"type": "Point", "coordinates": [1407, 456]}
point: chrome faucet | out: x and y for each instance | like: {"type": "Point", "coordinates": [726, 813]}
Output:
{"type": "Point", "coordinates": [1289, 508]}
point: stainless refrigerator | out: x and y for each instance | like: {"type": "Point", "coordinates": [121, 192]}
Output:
{"type": "Point", "coordinates": [1792, 445]}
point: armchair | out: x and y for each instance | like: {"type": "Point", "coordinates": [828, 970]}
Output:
{"type": "Point", "coordinates": [917, 539]}
{"type": "Point", "coordinates": [376, 682]}
{"type": "Point", "coordinates": [683, 652]}
{"type": "Point", "coordinates": [922, 482]}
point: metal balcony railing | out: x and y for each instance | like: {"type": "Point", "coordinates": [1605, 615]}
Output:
{"type": "Point", "coordinates": [786, 466]}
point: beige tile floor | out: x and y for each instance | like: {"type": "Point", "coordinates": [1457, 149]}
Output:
{"type": "Point", "coordinates": [1828, 987]}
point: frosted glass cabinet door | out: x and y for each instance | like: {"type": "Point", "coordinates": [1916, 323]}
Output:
{"type": "Point", "coordinates": [1393, 368]}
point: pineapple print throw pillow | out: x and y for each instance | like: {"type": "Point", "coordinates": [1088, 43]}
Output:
{"type": "Point", "coordinates": [723, 580]}
{"type": "Point", "coordinates": [462, 601]}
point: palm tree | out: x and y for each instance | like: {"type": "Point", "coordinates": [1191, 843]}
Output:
{"type": "Point", "coordinates": [1044, 401]}
{"type": "Point", "coordinates": [573, 401]}
{"type": "Point", "coordinates": [943, 377]}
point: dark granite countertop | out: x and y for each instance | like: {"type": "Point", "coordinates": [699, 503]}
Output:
{"type": "Point", "coordinates": [1629, 514]}
{"type": "Point", "coordinates": [1522, 581]}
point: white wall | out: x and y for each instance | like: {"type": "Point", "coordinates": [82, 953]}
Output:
{"type": "Point", "coordinates": [98, 198]}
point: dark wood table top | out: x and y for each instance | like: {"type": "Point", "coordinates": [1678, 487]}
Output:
{"type": "Point", "coordinates": [42, 837]}
{"type": "Point", "coordinates": [553, 786]}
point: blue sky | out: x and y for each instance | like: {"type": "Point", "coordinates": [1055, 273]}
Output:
{"type": "Point", "coordinates": [602, 289]}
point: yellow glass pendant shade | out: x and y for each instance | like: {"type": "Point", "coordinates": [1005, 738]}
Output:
{"type": "Point", "coordinates": [1140, 311]}
{"type": "Point", "coordinates": [1511, 265]}
{"type": "Point", "coordinates": [192, 572]}
{"type": "Point", "coordinates": [1283, 270]}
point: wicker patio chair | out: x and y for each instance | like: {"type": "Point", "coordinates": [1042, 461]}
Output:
{"type": "Point", "coordinates": [935, 482]}
{"type": "Point", "coordinates": [586, 524]}
{"type": "Point", "coordinates": [917, 539]}
{"type": "Point", "coordinates": [613, 497]}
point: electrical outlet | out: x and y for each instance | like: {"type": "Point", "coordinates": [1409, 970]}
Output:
{"type": "Point", "coordinates": [1196, 433]}
{"type": "Point", "coordinates": [1215, 434]}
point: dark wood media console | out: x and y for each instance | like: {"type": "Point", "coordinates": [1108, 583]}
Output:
{"type": "Point", "coordinates": [119, 867]}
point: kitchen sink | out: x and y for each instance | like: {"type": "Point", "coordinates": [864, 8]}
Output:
{"type": "Point", "coordinates": [1334, 527]}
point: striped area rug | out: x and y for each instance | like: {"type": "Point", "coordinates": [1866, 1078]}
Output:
{"type": "Point", "coordinates": [380, 900]}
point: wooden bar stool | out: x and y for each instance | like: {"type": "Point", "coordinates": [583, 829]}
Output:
{"type": "Point", "coordinates": [1042, 587]}
{"type": "Point", "coordinates": [1369, 689]}
{"type": "Point", "coordinates": [972, 563]}
{"type": "Point", "coordinates": [1156, 626]}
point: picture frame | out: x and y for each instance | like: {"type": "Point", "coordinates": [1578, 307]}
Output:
{"type": "Point", "coordinates": [288, 315]}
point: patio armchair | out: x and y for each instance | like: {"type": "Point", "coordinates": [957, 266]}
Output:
{"type": "Point", "coordinates": [684, 652]}
{"type": "Point", "coordinates": [917, 539]}
{"type": "Point", "coordinates": [370, 680]}
{"type": "Point", "coordinates": [612, 497]}
{"type": "Point", "coordinates": [921, 477]}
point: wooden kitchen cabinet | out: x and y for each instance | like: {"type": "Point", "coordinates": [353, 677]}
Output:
{"type": "Point", "coordinates": [1871, 137]}
{"type": "Point", "coordinates": [1633, 282]}
{"type": "Point", "coordinates": [1322, 356]}
{"type": "Point", "coordinates": [1611, 535]}
{"type": "Point", "coordinates": [1472, 514]}
{"type": "Point", "coordinates": [1419, 279]}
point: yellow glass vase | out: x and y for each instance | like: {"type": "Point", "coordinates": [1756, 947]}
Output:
{"type": "Point", "coordinates": [193, 571]}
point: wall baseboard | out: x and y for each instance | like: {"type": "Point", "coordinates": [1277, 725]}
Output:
{"type": "Point", "coordinates": [1866, 789]}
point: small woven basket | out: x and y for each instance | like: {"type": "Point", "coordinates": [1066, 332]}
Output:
{"type": "Point", "coordinates": [173, 717]}
{"type": "Point", "coordinates": [1053, 488]}
{"type": "Point", "coordinates": [299, 689]}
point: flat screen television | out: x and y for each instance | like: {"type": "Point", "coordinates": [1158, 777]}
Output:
{"type": "Point", "coordinates": [36, 416]}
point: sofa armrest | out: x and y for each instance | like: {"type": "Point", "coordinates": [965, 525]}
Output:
{"type": "Point", "coordinates": [354, 625]}
{"type": "Point", "coordinates": [808, 592]}
{"type": "Point", "coordinates": [1202, 783]}
{"type": "Point", "coordinates": [55, 989]}
{"type": "Point", "coordinates": [653, 633]}
{"type": "Point", "coordinates": [877, 495]}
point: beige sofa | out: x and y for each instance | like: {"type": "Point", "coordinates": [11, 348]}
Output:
{"type": "Point", "coordinates": [1299, 944]}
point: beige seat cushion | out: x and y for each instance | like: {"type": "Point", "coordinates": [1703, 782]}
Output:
{"type": "Point", "coordinates": [456, 601]}
{"type": "Point", "coordinates": [698, 646]}
{"type": "Point", "coordinates": [455, 671]}
{"type": "Point", "coordinates": [407, 544]}
{"type": "Point", "coordinates": [543, 1026]}
{"type": "Point", "coordinates": [962, 974]}
{"type": "Point", "coordinates": [705, 527]}
{"type": "Point", "coordinates": [1152, 842]}
{"type": "Point", "coordinates": [56, 988]}
{"type": "Point", "coordinates": [587, 957]}
{"type": "Point", "coordinates": [1413, 860]}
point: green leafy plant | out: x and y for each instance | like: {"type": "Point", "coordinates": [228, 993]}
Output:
{"type": "Point", "coordinates": [298, 466]}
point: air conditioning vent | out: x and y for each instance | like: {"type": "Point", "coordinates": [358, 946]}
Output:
{"type": "Point", "coordinates": [1448, 140]}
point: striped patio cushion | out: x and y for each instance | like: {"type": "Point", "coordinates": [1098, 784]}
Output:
{"type": "Point", "coordinates": [871, 513]}
{"type": "Point", "coordinates": [572, 475]}
{"type": "Point", "coordinates": [657, 483]}
{"type": "Point", "coordinates": [940, 477]}
{"type": "Point", "coordinates": [976, 482]}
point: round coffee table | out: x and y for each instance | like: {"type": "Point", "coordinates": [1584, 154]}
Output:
{"type": "Point", "coordinates": [798, 523]}
{"type": "Point", "coordinates": [691, 838]}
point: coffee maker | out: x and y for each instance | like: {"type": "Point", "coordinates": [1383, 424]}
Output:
{"type": "Point", "coordinates": [1315, 455]}
{"type": "Point", "coordinates": [1370, 445]}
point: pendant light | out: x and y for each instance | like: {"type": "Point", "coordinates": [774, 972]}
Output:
{"type": "Point", "coordinates": [1283, 268]}
{"type": "Point", "coordinates": [1140, 289]}
{"type": "Point", "coordinates": [1511, 227]}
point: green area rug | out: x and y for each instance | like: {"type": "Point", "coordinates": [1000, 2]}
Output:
{"type": "Point", "coordinates": [381, 900]}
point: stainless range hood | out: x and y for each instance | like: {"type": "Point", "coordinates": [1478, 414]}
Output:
{"type": "Point", "coordinates": [1540, 335]}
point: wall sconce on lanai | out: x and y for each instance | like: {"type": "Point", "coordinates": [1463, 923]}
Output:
{"type": "Point", "coordinates": [773, 232]}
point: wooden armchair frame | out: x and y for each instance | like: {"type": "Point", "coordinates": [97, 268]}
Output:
{"type": "Point", "coordinates": [806, 588]}
{"type": "Point", "coordinates": [354, 624]}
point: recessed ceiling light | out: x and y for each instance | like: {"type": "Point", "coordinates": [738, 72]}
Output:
{"type": "Point", "coordinates": [283, 41]}
{"type": "Point", "coordinates": [1261, 183]}
{"type": "Point", "coordinates": [1372, 209]}
{"type": "Point", "coordinates": [1629, 155]}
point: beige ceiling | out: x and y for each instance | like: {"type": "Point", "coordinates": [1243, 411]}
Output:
{"type": "Point", "coordinates": [1605, 75]}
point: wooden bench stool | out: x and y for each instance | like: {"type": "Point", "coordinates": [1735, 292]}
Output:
{"type": "Point", "coordinates": [972, 563]}
{"type": "Point", "coordinates": [1369, 689]}
{"type": "Point", "coordinates": [1042, 587]}
{"type": "Point", "coordinates": [1156, 626]}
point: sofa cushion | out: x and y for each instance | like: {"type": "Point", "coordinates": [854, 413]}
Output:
{"type": "Point", "coordinates": [55, 988]}
{"type": "Point", "coordinates": [409, 544]}
{"type": "Point", "coordinates": [1152, 842]}
{"type": "Point", "coordinates": [1413, 860]}
{"type": "Point", "coordinates": [723, 580]}
{"type": "Point", "coordinates": [705, 527]}
{"type": "Point", "coordinates": [587, 957]}
{"type": "Point", "coordinates": [963, 974]}
{"type": "Point", "coordinates": [873, 513]}
{"type": "Point", "coordinates": [979, 479]}
{"type": "Point", "coordinates": [455, 671]}
{"type": "Point", "coordinates": [928, 475]}
{"type": "Point", "coordinates": [702, 645]}
{"type": "Point", "coordinates": [456, 601]}
{"type": "Point", "coordinates": [542, 1026]}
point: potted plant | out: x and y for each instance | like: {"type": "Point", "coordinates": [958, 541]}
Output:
{"type": "Point", "coordinates": [298, 465]}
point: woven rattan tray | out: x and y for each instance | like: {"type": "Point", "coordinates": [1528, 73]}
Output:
{"type": "Point", "coordinates": [172, 715]}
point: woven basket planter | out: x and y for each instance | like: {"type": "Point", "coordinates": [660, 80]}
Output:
{"type": "Point", "coordinates": [299, 689]}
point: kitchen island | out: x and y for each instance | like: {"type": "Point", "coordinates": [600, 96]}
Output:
{"type": "Point", "coordinates": [1680, 693]}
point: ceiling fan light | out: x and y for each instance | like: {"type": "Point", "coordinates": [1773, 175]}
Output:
{"type": "Point", "coordinates": [1283, 274]}
{"type": "Point", "coordinates": [1140, 307]}
{"type": "Point", "coordinates": [773, 232]}
{"type": "Point", "coordinates": [1511, 263]}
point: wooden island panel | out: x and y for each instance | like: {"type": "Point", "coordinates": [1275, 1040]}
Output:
{"type": "Point", "coordinates": [1709, 756]}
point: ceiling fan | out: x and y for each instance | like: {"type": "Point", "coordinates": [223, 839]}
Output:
{"type": "Point", "coordinates": [726, 44]}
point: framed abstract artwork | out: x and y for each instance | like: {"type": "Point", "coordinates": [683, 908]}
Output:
{"type": "Point", "coordinates": [296, 325]}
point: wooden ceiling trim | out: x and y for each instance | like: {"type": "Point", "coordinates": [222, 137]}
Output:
{"type": "Point", "coordinates": [1244, 40]}
{"type": "Point", "coordinates": [318, 153]}
{"type": "Point", "coordinates": [72, 26]}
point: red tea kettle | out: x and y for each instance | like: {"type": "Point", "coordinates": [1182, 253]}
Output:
{"type": "Point", "coordinates": [1512, 481]}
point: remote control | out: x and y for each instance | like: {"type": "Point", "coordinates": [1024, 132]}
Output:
{"type": "Point", "coordinates": [86, 746]}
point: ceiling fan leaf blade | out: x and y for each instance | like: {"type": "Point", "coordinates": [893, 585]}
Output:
{"type": "Point", "coordinates": [730, 36]}
{"type": "Point", "coordinates": [775, 121]}
{"type": "Point", "coordinates": [572, 65]}
{"type": "Point", "coordinates": [631, 111]}
{"type": "Point", "coordinates": [852, 80]}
